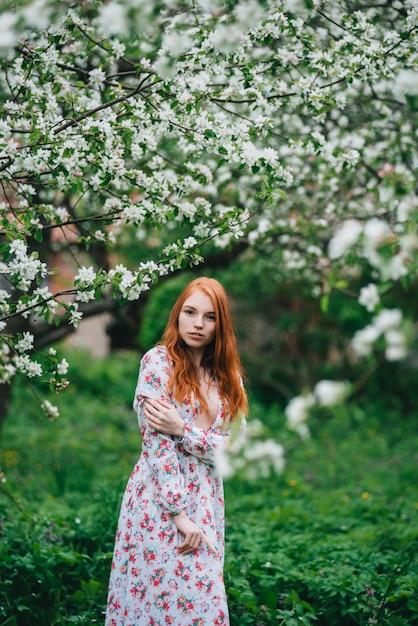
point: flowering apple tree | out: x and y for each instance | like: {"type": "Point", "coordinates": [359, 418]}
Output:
{"type": "Point", "coordinates": [283, 125]}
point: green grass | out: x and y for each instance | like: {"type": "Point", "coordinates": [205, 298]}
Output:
{"type": "Point", "coordinates": [332, 541]}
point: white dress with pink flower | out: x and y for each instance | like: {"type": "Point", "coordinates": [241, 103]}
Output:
{"type": "Point", "coordinates": [150, 583]}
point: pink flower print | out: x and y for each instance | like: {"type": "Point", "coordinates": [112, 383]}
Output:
{"type": "Point", "coordinates": [204, 584]}
{"type": "Point", "coordinates": [147, 523]}
{"type": "Point", "coordinates": [161, 450]}
{"type": "Point", "coordinates": [169, 619]}
{"type": "Point", "coordinates": [198, 621]}
{"type": "Point", "coordinates": [149, 555]}
{"type": "Point", "coordinates": [182, 571]}
{"type": "Point", "coordinates": [167, 534]}
{"type": "Point", "coordinates": [184, 605]}
{"type": "Point", "coordinates": [193, 485]}
{"type": "Point", "coordinates": [157, 577]}
{"type": "Point", "coordinates": [139, 489]}
{"type": "Point", "coordinates": [153, 380]}
{"type": "Point", "coordinates": [113, 605]}
{"type": "Point", "coordinates": [161, 601]}
{"type": "Point", "coordinates": [127, 547]}
{"type": "Point", "coordinates": [220, 620]}
{"type": "Point", "coordinates": [170, 468]}
{"type": "Point", "coordinates": [138, 590]}
{"type": "Point", "coordinates": [130, 505]}
{"type": "Point", "coordinates": [207, 520]}
{"type": "Point", "coordinates": [172, 584]}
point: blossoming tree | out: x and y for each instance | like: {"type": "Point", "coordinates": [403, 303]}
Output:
{"type": "Point", "coordinates": [283, 126]}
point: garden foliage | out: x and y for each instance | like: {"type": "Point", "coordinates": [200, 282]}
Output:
{"type": "Point", "coordinates": [333, 541]}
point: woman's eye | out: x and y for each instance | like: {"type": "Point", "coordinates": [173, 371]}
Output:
{"type": "Point", "coordinates": [211, 318]}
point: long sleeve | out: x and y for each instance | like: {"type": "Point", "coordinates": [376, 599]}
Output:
{"type": "Point", "coordinates": [159, 450]}
{"type": "Point", "coordinates": [203, 444]}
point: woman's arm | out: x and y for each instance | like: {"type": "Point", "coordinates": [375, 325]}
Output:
{"type": "Point", "coordinates": [159, 421]}
{"type": "Point", "coordinates": [203, 444]}
{"type": "Point", "coordinates": [159, 449]}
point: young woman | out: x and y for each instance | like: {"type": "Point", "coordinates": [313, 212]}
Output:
{"type": "Point", "coordinates": [168, 560]}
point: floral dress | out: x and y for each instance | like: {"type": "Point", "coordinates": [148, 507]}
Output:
{"type": "Point", "coordinates": [150, 583]}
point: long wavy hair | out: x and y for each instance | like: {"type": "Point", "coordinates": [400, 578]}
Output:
{"type": "Point", "coordinates": [220, 358]}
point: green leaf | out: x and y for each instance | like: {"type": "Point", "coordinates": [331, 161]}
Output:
{"type": "Point", "coordinates": [38, 234]}
{"type": "Point", "coordinates": [10, 621]}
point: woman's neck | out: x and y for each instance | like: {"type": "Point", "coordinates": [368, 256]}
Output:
{"type": "Point", "coordinates": [196, 357]}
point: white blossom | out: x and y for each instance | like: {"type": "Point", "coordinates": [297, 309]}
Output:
{"type": "Point", "coordinates": [19, 248]}
{"type": "Point", "coordinates": [8, 35]}
{"type": "Point", "coordinates": [25, 343]}
{"type": "Point", "coordinates": [344, 238]}
{"type": "Point", "coordinates": [28, 367]}
{"type": "Point", "coordinates": [363, 340]}
{"type": "Point", "coordinates": [397, 345]}
{"type": "Point", "coordinates": [62, 367]}
{"type": "Point", "coordinates": [75, 315]}
{"type": "Point", "coordinates": [85, 296]}
{"type": "Point", "coordinates": [49, 409]}
{"type": "Point", "coordinates": [85, 276]}
{"type": "Point", "coordinates": [297, 412]}
{"type": "Point", "coordinates": [330, 393]}
{"type": "Point", "coordinates": [37, 14]}
{"type": "Point", "coordinates": [388, 319]}
{"type": "Point", "coordinates": [369, 297]}
{"type": "Point", "coordinates": [375, 233]}
{"type": "Point", "coordinates": [189, 242]}
{"type": "Point", "coordinates": [406, 83]}
{"type": "Point", "coordinates": [118, 48]}
{"type": "Point", "coordinates": [112, 18]}
{"type": "Point", "coordinates": [265, 454]}
{"type": "Point", "coordinates": [97, 76]}
{"type": "Point", "coordinates": [4, 296]}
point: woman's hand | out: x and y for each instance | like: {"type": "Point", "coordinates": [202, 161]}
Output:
{"type": "Point", "coordinates": [193, 536]}
{"type": "Point", "coordinates": [163, 417]}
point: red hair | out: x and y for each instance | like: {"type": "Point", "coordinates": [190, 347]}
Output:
{"type": "Point", "coordinates": [221, 356]}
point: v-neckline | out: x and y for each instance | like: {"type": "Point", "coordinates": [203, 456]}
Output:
{"type": "Point", "coordinates": [218, 412]}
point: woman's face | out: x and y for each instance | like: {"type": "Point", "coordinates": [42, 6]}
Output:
{"type": "Point", "coordinates": [197, 321]}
